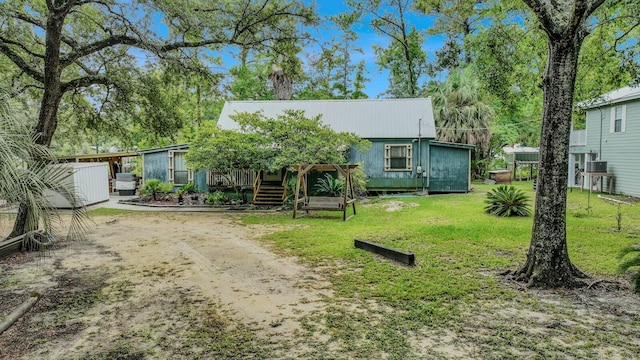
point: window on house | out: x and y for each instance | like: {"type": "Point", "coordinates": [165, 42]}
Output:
{"type": "Point", "coordinates": [618, 115]}
{"type": "Point", "coordinates": [398, 157]}
{"type": "Point", "coordinates": [178, 172]}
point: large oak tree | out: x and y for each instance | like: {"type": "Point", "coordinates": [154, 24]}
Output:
{"type": "Point", "coordinates": [566, 26]}
{"type": "Point", "coordinates": [91, 48]}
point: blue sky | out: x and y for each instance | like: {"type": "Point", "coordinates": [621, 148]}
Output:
{"type": "Point", "coordinates": [368, 38]}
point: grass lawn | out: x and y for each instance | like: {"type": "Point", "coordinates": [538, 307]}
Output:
{"type": "Point", "coordinates": [454, 296]}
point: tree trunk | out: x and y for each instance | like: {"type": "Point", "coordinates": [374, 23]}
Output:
{"type": "Point", "coordinates": [282, 84]}
{"type": "Point", "coordinates": [48, 117]}
{"type": "Point", "coordinates": [548, 263]}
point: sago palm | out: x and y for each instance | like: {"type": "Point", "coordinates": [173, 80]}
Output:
{"type": "Point", "coordinates": [507, 201]}
{"type": "Point", "coordinates": [631, 262]}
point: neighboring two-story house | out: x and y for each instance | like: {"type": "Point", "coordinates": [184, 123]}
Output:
{"type": "Point", "coordinates": [612, 135]}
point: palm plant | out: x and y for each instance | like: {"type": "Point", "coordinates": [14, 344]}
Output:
{"type": "Point", "coordinates": [461, 113]}
{"type": "Point", "coordinates": [27, 173]}
{"type": "Point", "coordinates": [507, 201]}
{"type": "Point", "coordinates": [329, 186]}
{"type": "Point", "coordinates": [632, 261]}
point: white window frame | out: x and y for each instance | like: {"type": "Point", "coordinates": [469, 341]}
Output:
{"type": "Point", "coordinates": [409, 157]}
{"type": "Point", "coordinates": [622, 118]}
{"type": "Point", "coordinates": [172, 167]}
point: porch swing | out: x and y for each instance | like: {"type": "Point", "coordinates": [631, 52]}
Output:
{"type": "Point", "coordinates": [324, 203]}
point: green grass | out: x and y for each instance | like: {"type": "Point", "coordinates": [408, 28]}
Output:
{"type": "Point", "coordinates": [459, 252]}
{"type": "Point", "coordinates": [109, 211]}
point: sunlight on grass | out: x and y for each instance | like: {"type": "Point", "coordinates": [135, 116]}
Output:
{"type": "Point", "coordinates": [459, 248]}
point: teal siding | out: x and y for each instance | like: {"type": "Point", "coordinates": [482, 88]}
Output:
{"type": "Point", "coordinates": [449, 169]}
{"type": "Point", "coordinates": [200, 179]}
{"type": "Point", "coordinates": [620, 150]}
{"type": "Point", "coordinates": [379, 179]}
{"type": "Point", "coordinates": [156, 166]}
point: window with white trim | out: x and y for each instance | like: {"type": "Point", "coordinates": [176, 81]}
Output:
{"type": "Point", "coordinates": [618, 118]}
{"type": "Point", "coordinates": [398, 157]}
{"type": "Point", "coordinates": [178, 172]}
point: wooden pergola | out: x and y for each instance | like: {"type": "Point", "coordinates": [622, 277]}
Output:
{"type": "Point", "coordinates": [323, 202]}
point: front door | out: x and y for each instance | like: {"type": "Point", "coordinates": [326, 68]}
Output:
{"type": "Point", "coordinates": [272, 176]}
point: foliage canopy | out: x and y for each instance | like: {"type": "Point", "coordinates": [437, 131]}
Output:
{"type": "Point", "coordinates": [262, 143]}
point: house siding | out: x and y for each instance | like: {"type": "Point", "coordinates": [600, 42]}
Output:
{"type": "Point", "coordinates": [156, 166]}
{"type": "Point", "coordinates": [200, 179]}
{"type": "Point", "coordinates": [620, 150]}
{"type": "Point", "coordinates": [379, 179]}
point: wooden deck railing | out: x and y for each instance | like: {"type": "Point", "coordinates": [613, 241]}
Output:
{"type": "Point", "coordinates": [243, 177]}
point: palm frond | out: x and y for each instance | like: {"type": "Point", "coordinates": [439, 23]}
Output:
{"type": "Point", "coordinates": [26, 173]}
{"type": "Point", "coordinates": [632, 261]}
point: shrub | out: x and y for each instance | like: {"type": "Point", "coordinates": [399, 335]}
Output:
{"type": "Point", "coordinates": [215, 198]}
{"type": "Point", "coordinates": [166, 188]}
{"type": "Point", "coordinates": [189, 188]}
{"type": "Point", "coordinates": [507, 201]}
{"type": "Point", "coordinates": [632, 261]}
{"type": "Point", "coordinates": [329, 186]}
{"type": "Point", "coordinates": [154, 187]}
{"type": "Point", "coordinates": [291, 190]}
{"type": "Point", "coordinates": [359, 180]}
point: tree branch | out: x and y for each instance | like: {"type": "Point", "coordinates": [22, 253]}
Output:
{"type": "Point", "coordinates": [21, 46]}
{"type": "Point", "coordinates": [20, 62]}
{"type": "Point", "coordinates": [103, 44]}
{"type": "Point", "coordinates": [37, 23]}
{"type": "Point", "coordinates": [86, 81]}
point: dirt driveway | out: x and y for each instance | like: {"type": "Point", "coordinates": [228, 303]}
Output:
{"type": "Point", "coordinates": [144, 274]}
{"type": "Point", "coordinates": [162, 285]}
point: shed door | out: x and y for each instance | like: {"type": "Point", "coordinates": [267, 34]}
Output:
{"type": "Point", "coordinates": [449, 169]}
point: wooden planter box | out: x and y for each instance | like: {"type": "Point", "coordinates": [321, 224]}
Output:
{"type": "Point", "coordinates": [500, 176]}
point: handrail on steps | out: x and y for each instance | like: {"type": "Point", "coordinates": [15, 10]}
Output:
{"type": "Point", "coordinates": [257, 182]}
{"type": "Point", "coordinates": [284, 186]}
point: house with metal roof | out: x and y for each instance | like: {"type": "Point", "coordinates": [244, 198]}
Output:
{"type": "Point", "coordinates": [609, 148]}
{"type": "Point", "coordinates": [403, 156]}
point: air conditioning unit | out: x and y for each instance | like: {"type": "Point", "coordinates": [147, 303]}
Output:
{"type": "Point", "coordinates": [596, 166]}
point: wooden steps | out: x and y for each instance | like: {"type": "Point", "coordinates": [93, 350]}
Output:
{"type": "Point", "coordinates": [269, 195]}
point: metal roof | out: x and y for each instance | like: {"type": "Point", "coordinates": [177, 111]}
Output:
{"type": "Point", "coordinates": [517, 148]}
{"type": "Point", "coordinates": [369, 118]}
{"type": "Point", "coordinates": [626, 93]}
{"type": "Point", "coordinates": [452, 145]}
{"type": "Point", "coordinates": [98, 156]}
{"type": "Point", "coordinates": [164, 148]}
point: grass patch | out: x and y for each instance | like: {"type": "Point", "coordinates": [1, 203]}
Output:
{"type": "Point", "coordinates": [459, 250]}
{"type": "Point", "coordinates": [110, 211]}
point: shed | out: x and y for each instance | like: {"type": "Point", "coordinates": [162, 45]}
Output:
{"type": "Point", "coordinates": [89, 182]}
{"type": "Point", "coordinates": [450, 167]}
